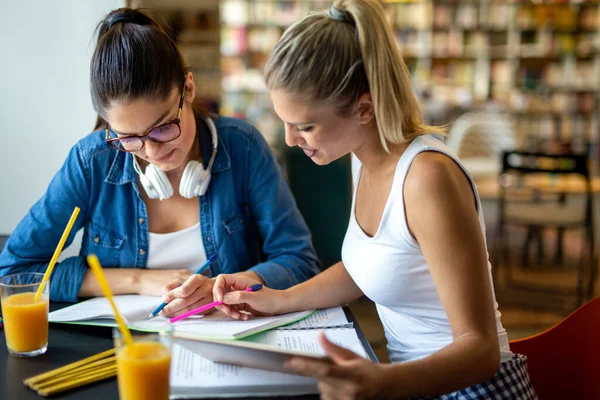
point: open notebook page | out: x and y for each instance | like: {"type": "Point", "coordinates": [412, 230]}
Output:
{"type": "Point", "coordinates": [132, 307]}
{"type": "Point", "coordinates": [306, 341]}
{"type": "Point", "coordinates": [135, 310]}
{"type": "Point", "coordinates": [197, 377]}
{"type": "Point", "coordinates": [325, 318]}
{"type": "Point", "coordinates": [219, 326]}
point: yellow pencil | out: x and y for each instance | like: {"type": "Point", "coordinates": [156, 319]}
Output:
{"type": "Point", "coordinates": [76, 373]}
{"type": "Point", "coordinates": [70, 377]}
{"type": "Point", "coordinates": [76, 383]}
{"type": "Point", "coordinates": [57, 251]}
{"type": "Point", "coordinates": [94, 264]}
{"type": "Point", "coordinates": [68, 367]}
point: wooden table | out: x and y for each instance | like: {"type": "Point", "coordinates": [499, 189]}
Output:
{"type": "Point", "coordinates": [70, 343]}
{"type": "Point", "coordinates": [489, 187]}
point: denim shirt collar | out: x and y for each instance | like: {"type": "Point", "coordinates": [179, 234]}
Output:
{"type": "Point", "coordinates": [122, 172]}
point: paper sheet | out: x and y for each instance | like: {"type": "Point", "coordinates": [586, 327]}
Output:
{"type": "Point", "coordinates": [131, 307]}
{"type": "Point", "coordinates": [307, 340]}
{"type": "Point", "coordinates": [191, 370]}
{"type": "Point", "coordinates": [218, 325]}
{"type": "Point", "coordinates": [325, 318]}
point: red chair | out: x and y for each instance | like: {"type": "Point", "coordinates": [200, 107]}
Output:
{"type": "Point", "coordinates": [564, 361]}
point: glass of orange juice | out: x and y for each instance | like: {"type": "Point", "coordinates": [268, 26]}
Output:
{"type": "Point", "coordinates": [25, 320]}
{"type": "Point", "coordinates": [143, 368]}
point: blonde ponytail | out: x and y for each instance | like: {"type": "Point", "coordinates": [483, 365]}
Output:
{"type": "Point", "coordinates": [339, 55]}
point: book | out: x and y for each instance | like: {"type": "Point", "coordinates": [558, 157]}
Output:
{"type": "Point", "coordinates": [135, 310]}
{"type": "Point", "coordinates": [195, 376]}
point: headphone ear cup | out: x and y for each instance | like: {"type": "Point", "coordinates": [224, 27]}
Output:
{"type": "Point", "coordinates": [158, 185]}
{"type": "Point", "coordinates": [203, 187]}
{"type": "Point", "coordinates": [194, 180]}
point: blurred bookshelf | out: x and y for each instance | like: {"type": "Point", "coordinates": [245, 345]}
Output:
{"type": "Point", "coordinates": [537, 61]}
{"type": "Point", "coordinates": [249, 31]}
{"type": "Point", "coordinates": [195, 26]}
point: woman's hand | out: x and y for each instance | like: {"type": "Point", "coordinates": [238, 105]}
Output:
{"type": "Point", "coordinates": [230, 290]}
{"type": "Point", "coordinates": [349, 376]}
{"type": "Point", "coordinates": [151, 282]}
{"type": "Point", "coordinates": [185, 295]}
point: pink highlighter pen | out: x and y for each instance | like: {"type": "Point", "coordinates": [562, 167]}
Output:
{"type": "Point", "coordinates": [208, 306]}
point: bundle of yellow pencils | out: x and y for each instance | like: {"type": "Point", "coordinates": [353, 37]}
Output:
{"type": "Point", "coordinates": [92, 369]}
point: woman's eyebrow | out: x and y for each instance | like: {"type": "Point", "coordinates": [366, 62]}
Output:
{"type": "Point", "coordinates": [151, 126]}
{"type": "Point", "coordinates": [300, 123]}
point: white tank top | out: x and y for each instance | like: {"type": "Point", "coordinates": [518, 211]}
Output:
{"type": "Point", "coordinates": [391, 270]}
{"type": "Point", "coordinates": [177, 250]}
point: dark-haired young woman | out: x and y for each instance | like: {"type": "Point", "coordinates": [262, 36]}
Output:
{"type": "Point", "coordinates": [162, 186]}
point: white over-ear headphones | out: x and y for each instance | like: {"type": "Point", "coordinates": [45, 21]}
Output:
{"type": "Point", "coordinates": [194, 180]}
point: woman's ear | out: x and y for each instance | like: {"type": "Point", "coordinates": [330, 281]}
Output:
{"type": "Point", "coordinates": [364, 109]}
{"type": "Point", "coordinates": [190, 87]}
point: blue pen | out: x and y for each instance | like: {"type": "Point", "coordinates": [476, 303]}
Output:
{"type": "Point", "coordinates": [200, 270]}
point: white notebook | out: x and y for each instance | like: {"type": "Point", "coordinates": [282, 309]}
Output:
{"type": "Point", "coordinates": [135, 310]}
{"type": "Point", "coordinates": [193, 376]}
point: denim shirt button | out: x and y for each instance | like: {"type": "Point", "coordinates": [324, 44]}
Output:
{"type": "Point", "coordinates": [97, 239]}
{"type": "Point", "coordinates": [207, 239]}
{"type": "Point", "coordinates": [142, 251]}
{"type": "Point", "coordinates": [141, 220]}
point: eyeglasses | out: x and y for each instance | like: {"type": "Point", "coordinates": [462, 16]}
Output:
{"type": "Point", "coordinates": [162, 133]}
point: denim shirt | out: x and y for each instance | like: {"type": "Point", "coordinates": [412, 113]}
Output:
{"type": "Point", "coordinates": [248, 215]}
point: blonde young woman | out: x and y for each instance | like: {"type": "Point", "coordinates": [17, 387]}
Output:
{"type": "Point", "coordinates": [415, 241]}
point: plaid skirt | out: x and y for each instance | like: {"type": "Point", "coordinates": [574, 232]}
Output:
{"type": "Point", "coordinates": [510, 382]}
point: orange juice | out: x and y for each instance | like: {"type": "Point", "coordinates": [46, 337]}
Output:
{"type": "Point", "coordinates": [143, 371]}
{"type": "Point", "coordinates": [25, 322]}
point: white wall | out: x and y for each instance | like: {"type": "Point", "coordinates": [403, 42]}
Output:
{"type": "Point", "coordinates": [45, 105]}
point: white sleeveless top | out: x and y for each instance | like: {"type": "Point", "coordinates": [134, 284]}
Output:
{"type": "Point", "coordinates": [177, 250]}
{"type": "Point", "coordinates": [391, 270]}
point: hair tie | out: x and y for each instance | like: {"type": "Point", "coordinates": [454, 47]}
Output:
{"type": "Point", "coordinates": [120, 18]}
{"type": "Point", "coordinates": [129, 17]}
{"type": "Point", "coordinates": [341, 16]}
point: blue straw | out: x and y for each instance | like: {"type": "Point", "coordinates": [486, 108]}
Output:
{"type": "Point", "coordinates": [198, 272]}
